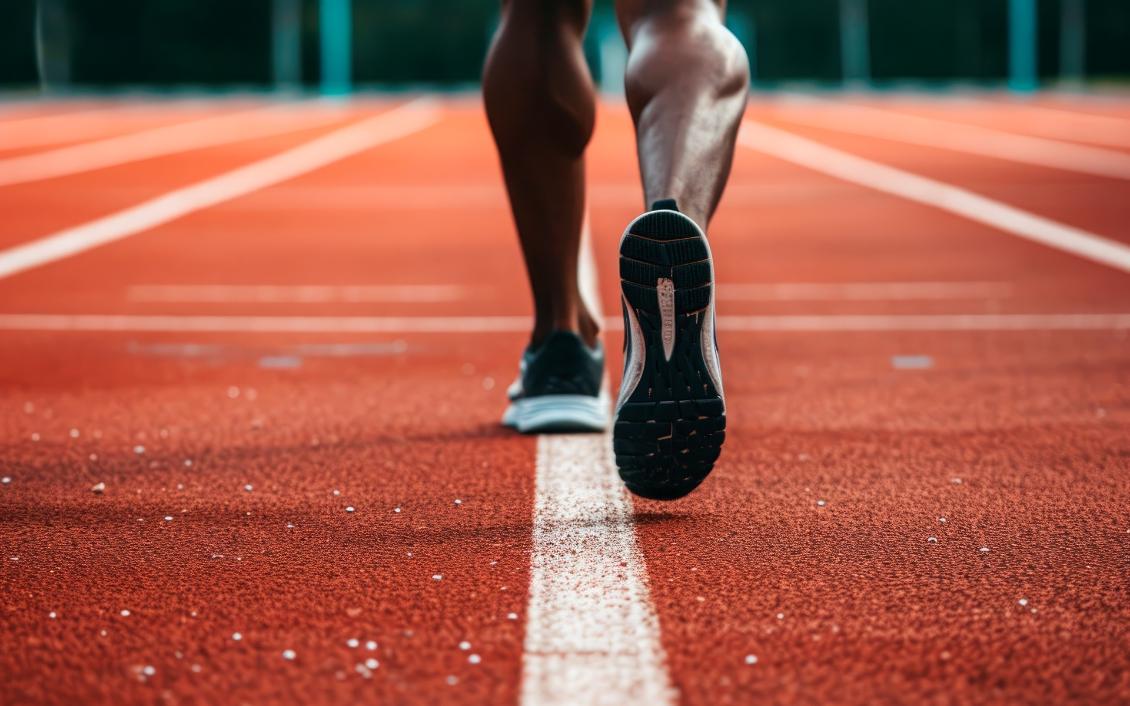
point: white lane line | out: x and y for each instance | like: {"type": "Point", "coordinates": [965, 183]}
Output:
{"type": "Point", "coordinates": [369, 293]}
{"type": "Point", "coordinates": [431, 197]}
{"type": "Point", "coordinates": [210, 131]}
{"type": "Point", "coordinates": [13, 109]}
{"type": "Point", "coordinates": [863, 291]}
{"type": "Point", "coordinates": [264, 324]}
{"type": "Point", "coordinates": [37, 130]}
{"type": "Point", "coordinates": [1068, 124]}
{"type": "Point", "coordinates": [339, 144]}
{"type": "Point", "coordinates": [587, 279]}
{"type": "Point", "coordinates": [955, 136]}
{"type": "Point", "coordinates": [843, 165]}
{"type": "Point", "coordinates": [304, 350]}
{"type": "Point", "coordinates": [1064, 123]}
{"type": "Point", "coordinates": [927, 322]}
{"type": "Point", "coordinates": [295, 294]}
{"type": "Point", "coordinates": [592, 636]}
{"type": "Point", "coordinates": [521, 324]}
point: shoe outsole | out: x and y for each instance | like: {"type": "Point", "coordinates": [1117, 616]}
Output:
{"type": "Point", "coordinates": [669, 432]}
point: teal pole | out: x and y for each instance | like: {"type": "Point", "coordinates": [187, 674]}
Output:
{"type": "Point", "coordinates": [286, 44]}
{"type": "Point", "coordinates": [336, 23]}
{"type": "Point", "coordinates": [1022, 45]}
{"type": "Point", "coordinates": [855, 42]}
{"type": "Point", "coordinates": [1072, 41]}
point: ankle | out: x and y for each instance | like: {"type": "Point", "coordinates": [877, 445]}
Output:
{"type": "Point", "coordinates": [581, 323]}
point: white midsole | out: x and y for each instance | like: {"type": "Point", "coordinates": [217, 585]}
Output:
{"type": "Point", "coordinates": [564, 412]}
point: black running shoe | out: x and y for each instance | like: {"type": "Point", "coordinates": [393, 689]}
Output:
{"type": "Point", "coordinates": [671, 415]}
{"type": "Point", "coordinates": [560, 387]}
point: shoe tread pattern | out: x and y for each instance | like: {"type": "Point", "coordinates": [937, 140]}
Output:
{"type": "Point", "coordinates": [669, 432]}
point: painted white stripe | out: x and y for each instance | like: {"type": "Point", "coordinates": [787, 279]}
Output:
{"type": "Point", "coordinates": [843, 165]}
{"type": "Point", "coordinates": [305, 350]}
{"type": "Point", "coordinates": [521, 324]}
{"type": "Point", "coordinates": [587, 280]}
{"type": "Point", "coordinates": [264, 324]}
{"type": "Point", "coordinates": [955, 136]}
{"type": "Point", "coordinates": [592, 636]}
{"type": "Point", "coordinates": [161, 141]}
{"type": "Point", "coordinates": [295, 294]}
{"type": "Point", "coordinates": [345, 198]}
{"type": "Point", "coordinates": [14, 109]}
{"type": "Point", "coordinates": [928, 322]}
{"type": "Point", "coordinates": [317, 153]}
{"type": "Point", "coordinates": [37, 130]}
{"type": "Point", "coordinates": [863, 291]}
{"type": "Point", "coordinates": [1069, 124]}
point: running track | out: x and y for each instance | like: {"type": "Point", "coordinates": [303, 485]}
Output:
{"type": "Point", "coordinates": [244, 321]}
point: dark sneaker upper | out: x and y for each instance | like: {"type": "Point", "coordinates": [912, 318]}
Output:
{"type": "Point", "coordinates": [560, 388]}
{"type": "Point", "coordinates": [561, 365]}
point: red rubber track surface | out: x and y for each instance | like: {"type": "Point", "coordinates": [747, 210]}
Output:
{"type": "Point", "coordinates": [808, 547]}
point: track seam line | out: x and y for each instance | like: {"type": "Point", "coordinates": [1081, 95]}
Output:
{"type": "Point", "coordinates": [344, 142]}
{"type": "Point", "coordinates": [913, 187]}
{"type": "Point", "coordinates": [592, 633]}
{"type": "Point", "coordinates": [161, 141]}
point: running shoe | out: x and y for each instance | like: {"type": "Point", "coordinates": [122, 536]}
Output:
{"type": "Point", "coordinates": [671, 415]}
{"type": "Point", "coordinates": [560, 387]}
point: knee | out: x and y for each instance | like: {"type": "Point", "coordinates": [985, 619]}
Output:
{"type": "Point", "coordinates": [682, 40]}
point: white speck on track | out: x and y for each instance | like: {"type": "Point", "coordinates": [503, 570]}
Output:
{"type": "Point", "coordinates": [592, 636]}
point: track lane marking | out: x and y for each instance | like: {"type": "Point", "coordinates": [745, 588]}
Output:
{"type": "Point", "coordinates": [295, 294]}
{"type": "Point", "coordinates": [367, 293]}
{"type": "Point", "coordinates": [912, 129]}
{"type": "Point", "coordinates": [592, 634]}
{"type": "Point", "coordinates": [862, 291]}
{"type": "Point", "coordinates": [521, 324]}
{"type": "Point", "coordinates": [1056, 122]}
{"type": "Point", "coordinates": [296, 161]}
{"type": "Point", "coordinates": [808, 153]}
{"type": "Point", "coordinates": [52, 128]}
{"type": "Point", "coordinates": [164, 140]}
{"type": "Point", "coordinates": [1042, 120]}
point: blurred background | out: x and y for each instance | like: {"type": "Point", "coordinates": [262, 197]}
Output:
{"type": "Point", "coordinates": [337, 46]}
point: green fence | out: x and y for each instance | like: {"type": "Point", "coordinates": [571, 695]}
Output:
{"type": "Point", "coordinates": [298, 43]}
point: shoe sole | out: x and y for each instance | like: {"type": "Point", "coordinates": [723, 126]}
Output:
{"type": "Point", "coordinates": [671, 418]}
{"type": "Point", "coordinates": [558, 413]}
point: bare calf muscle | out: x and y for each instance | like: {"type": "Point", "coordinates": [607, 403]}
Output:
{"type": "Point", "coordinates": [686, 85]}
{"type": "Point", "coordinates": [541, 106]}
